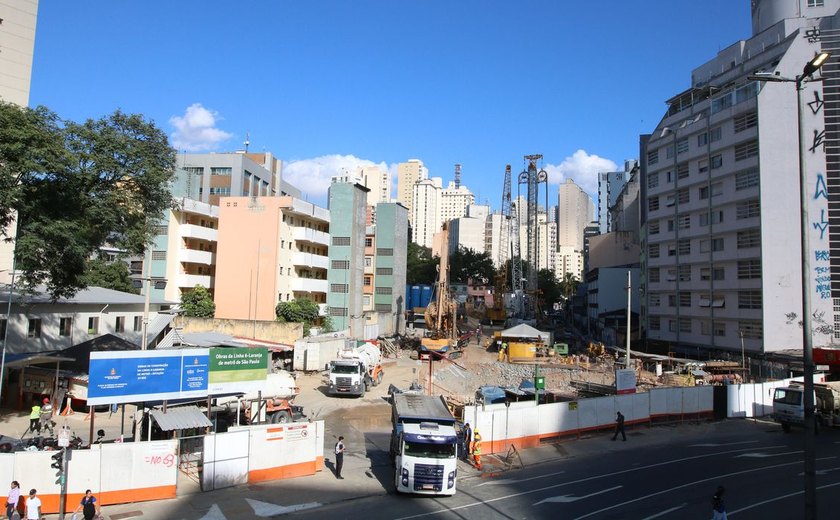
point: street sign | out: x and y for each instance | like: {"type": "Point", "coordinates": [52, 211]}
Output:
{"type": "Point", "coordinates": [539, 382]}
{"type": "Point", "coordinates": [625, 381]}
{"type": "Point", "coordinates": [64, 437]}
{"type": "Point", "coordinates": [237, 369]}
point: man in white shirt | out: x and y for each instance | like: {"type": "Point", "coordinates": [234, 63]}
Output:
{"type": "Point", "coordinates": [33, 506]}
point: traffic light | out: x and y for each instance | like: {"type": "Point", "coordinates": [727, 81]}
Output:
{"type": "Point", "coordinates": [58, 461]}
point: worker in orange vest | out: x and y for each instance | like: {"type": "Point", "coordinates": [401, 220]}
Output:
{"type": "Point", "coordinates": [477, 449]}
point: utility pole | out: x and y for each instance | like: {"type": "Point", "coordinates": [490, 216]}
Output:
{"type": "Point", "coordinates": [627, 360]}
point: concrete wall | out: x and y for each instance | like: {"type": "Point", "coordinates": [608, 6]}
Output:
{"type": "Point", "coordinates": [264, 330]}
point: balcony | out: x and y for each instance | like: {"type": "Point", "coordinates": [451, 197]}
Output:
{"type": "Point", "coordinates": [310, 260]}
{"type": "Point", "coordinates": [309, 285]}
{"type": "Point", "coordinates": [310, 235]}
{"type": "Point", "coordinates": [301, 207]}
{"type": "Point", "coordinates": [191, 280]}
{"type": "Point", "coordinates": [195, 256]}
{"type": "Point", "coordinates": [200, 232]}
{"type": "Point", "coordinates": [200, 208]}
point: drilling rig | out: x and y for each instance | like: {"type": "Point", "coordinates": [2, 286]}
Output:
{"type": "Point", "coordinates": [442, 312]}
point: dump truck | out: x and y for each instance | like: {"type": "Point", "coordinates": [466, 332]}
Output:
{"type": "Point", "coordinates": [789, 407]}
{"type": "Point", "coordinates": [356, 370]}
{"type": "Point", "coordinates": [424, 445]}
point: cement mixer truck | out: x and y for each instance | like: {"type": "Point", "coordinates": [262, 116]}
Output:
{"type": "Point", "coordinates": [356, 370]}
{"type": "Point", "coordinates": [789, 407]}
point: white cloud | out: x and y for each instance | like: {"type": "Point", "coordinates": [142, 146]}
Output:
{"type": "Point", "coordinates": [313, 176]}
{"type": "Point", "coordinates": [196, 130]}
{"type": "Point", "coordinates": [583, 168]}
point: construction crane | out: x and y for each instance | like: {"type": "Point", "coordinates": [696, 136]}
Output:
{"type": "Point", "coordinates": [497, 312]}
{"type": "Point", "coordinates": [531, 177]}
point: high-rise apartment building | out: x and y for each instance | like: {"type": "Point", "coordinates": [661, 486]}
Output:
{"type": "Point", "coordinates": [408, 174]}
{"type": "Point", "coordinates": [426, 210]}
{"type": "Point", "coordinates": [391, 239]}
{"type": "Point", "coordinates": [454, 201]}
{"type": "Point", "coordinates": [575, 211]}
{"type": "Point", "coordinates": [345, 295]}
{"type": "Point", "coordinates": [236, 174]}
{"type": "Point", "coordinates": [721, 211]}
{"type": "Point", "coordinates": [609, 186]}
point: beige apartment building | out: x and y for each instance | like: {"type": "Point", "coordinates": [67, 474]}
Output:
{"type": "Point", "coordinates": [271, 249]}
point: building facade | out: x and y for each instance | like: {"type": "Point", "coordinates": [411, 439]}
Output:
{"type": "Point", "coordinates": [427, 211]}
{"type": "Point", "coordinates": [575, 211]}
{"type": "Point", "coordinates": [345, 294]}
{"type": "Point", "coordinates": [610, 185]}
{"type": "Point", "coordinates": [408, 174]}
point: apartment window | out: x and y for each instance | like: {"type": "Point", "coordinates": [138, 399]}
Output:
{"type": "Point", "coordinates": [339, 288]}
{"type": "Point", "coordinates": [685, 325]}
{"type": "Point", "coordinates": [672, 300]}
{"type": "Point", "coordinates": [751, 329]}
{"type": "Point", "coordinates": [684, 221]}
{"type": "Point", "coordinates": [748, 209]}
{"type": "Point", "coordinates": [713, 217]}
{"type": "Point", "coordinates": [685, 299]}
{"type": "Point", "coordinates": [671, 274]}
{"type": "Point", "coordinates": [670, 224]}
{"type": "Point", "coordinates": [749, 299]}
{"type": "Point", "coordinates": [338, 311]}
{"type": "Point", "coordinates": [119, 326]}
{"type": "Point", "coordinates": [222, 191]}
{"type": "Point", "coordinates": [669, 152]}
{"type": "Point", "coordinates": [65, 326]}
{"type": "Point", "coordinates": [653, 250]}
{"type": "Point", "coordinates": [159, 255]}
{"type": "Point", "coordinates": [745, 121]}
{"type": "Point", "coordinates": [34, 328]}
{"type": "Point", "coordinates": [716, 161]}
{"type": "Point", "coordinates": [749, 238]}
{"type": "Point", "coordinates": [706, 327]}
{"type": "Point", "coordinates": [683, 196]}
{"type": "Point", "coordinates": [385, 251]}
{"type": "Point", "coordinates": [719, 329]}
{"type": "Point", "coordinates": [368, 280]}
{"type": "Point", "coordinates": [382, 307]}
{"type": "Point", "coordinates": [682, 171]}
{"type": "Point", "coordinates": [672, 325]}
{"type": "Point", "coordinates": [746, 179]}
{"type": "Point", "coordinates": [816, 3]}
{"type": "Point", "coordinates": [711, 300]}
{"type": "Point", "coordinates": [653, 227]}
{"type": "Point", "coordinates": [703, 139]}
{"type": "Point", "coordinates": [746, 150]}
{"type": "Point", "coordinates": [653, 203]}
{"type": "Point", "coordinates": [366, 300]}
{"type": "Point", "coordinates": [749, 269]}
{"type": "Point", "coordinates": [340, 264]}
{"type": "Point", "coordinates": [653, 275]}
{"type": "Point", "coordinates": [717, 244]}
{"type": "Point", "coordinates": [653, 157]}
{"type": "Point", "coordinates": [384, 290]}
{"type": "Point", "coordinates": [161, 230]}
{"type": "Point", "coordinates": [682, 145]}
{"type": "Point", "coordinates": [653, 180]}
{"type": "Point", "coordinates": [655, 300]}
{"type": "Point", "coordinates": [715, 134]}
{"type": "Point", "coordinates": [385, 271]}
{"type": "Point", "coordinates": [93, 325]}
{"type": "Point", "coordinates": [368, 242]}
{"type": "Point", "coordinates": [669, 176]}
{"type": "Point", "coordinates": [368, 261]}
{"type": "Point", "coordinates": [138, 323]}
{"type": "Point", "coordinates": [684, 273]}
{"type": "Point", "coordinates": [194, 170]}
{"type": "Point", "coordinates": [341, 241]}
{"type": "Point", "coordinates": [718, 274]}
{"type": "Point", "coordinates": [653, 322]}
{"type": "Point", "coordinates": [216, 170]}
{"type": "Point", "coordinates": [684, 247]}
{"type": "Point", "coordinates": [703, 166]}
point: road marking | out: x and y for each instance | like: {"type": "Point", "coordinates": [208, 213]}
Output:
{"type": "Point", "coordinates": [715, 445]}
{"type": "Point", "coordinates": [763, 502]}
{"type": "Point", "coordinates": [214, 514]}
{"type": "Point", "coordinates": [710, 479]}
{"type": "Point", "coordinates": [760, 455]}
{"type": "Point", "coordinates": [821, 471]}
{"type": "Point", "coordinates": [269, 509]}
{"type": "Point", "coordinates": [663, 513]}
{"type": "Point", "coordinates": [516, 481]}
{"type": "Point", "coordinates": [571, 498]}
{"type": "Point", "coordinates": [587, 479]}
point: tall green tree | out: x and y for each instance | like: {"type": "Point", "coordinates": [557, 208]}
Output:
{"type": "Point", "coordinates": [300, 310]}
{"type": "Point", "coordinates": [466, 264]}
{"type": "Point", "coordinates": [75, 186]}
{"type": "Point", "coordinates": [549, 287]}
{"type": "Point", "coordinates": [110, 275]}
{"type": "Point", "coordinates": [198, 303]}
{"type": "Point", "coordinates": [421, 266]}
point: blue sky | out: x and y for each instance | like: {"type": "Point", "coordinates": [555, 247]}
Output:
{"type": "Point", "coordinates": [330, 84]}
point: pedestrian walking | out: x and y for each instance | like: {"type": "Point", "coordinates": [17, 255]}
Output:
{"type": "Point", "coordinates": [88, 506]}
{"type": "Point", "coordinates": [33, 506]}
{"type": "Point", "coordinates": [34, 417]}
{"type": "Point", "coordinates": [477, 449]}
{"type": "Point", "coordinates": [339, 457]}
{"type": "Point", "coordinates": [12, 500]}
{"type": "Point", "coordinates": [619, 427]}
{"type": "Point", "coordinates": [466, 447]}
{"type": "Point", "coordinates": [718, 507]}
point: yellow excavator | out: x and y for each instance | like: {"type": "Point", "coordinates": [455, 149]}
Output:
{"type": "Point", "coordinates": [441, 313]}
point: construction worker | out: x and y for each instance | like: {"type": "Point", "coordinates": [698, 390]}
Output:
{"type": "Point", "coordinates": [35, 418]}
{"type": "Point", "coordinates": [46, 416]}
{"type": "Point", "coordinates": [477, 449]}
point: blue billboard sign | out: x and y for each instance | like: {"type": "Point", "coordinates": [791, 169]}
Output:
{"type": "Point", "coordinates": [144, 375]}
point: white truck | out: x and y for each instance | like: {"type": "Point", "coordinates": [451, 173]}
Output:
{"type": "Point", "coordinates": [276, 405]}
{"type": "Point", "coordinates": [356, 370]}
{"type": "Point", "coordinates": [424, 445]}
{"type": "Point", "coordinates": [789, 408]}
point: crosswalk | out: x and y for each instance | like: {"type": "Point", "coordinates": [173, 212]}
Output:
{"type": "Point", "coordinates": [261, 509]}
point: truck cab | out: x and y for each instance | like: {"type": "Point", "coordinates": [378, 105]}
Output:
{"type": "Point", "coordinates": [426, 459]}
{"type": "Point", "coordinates": [349, 377]}
{"type": "Point", "coordinates": [788, 406]}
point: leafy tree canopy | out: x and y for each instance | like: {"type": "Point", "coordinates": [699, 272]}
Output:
{"type": "Point", "coordinates": [198, 303]}
{"type": "Point", "coordinates": [550, 288]}
{"type": "Point", "coordinates": [466, 264]}
{"type": "Point", "coordinates": [301, 310]}
{"type": "Point", "coordinates": [421, 266]}
{"type": "Point", "coordinates": [75, 186]}
{"type": "Point", "coordinates": [110, 275]}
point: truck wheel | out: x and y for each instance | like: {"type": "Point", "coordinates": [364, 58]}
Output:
{"type": "Point", "coordinates": [379, 377]}
{"type": "Point", "coordinates": [786, 427]}
{"type": "Point", "coordinates": [281, 417]}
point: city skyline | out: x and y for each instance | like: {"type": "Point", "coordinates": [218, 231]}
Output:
{"type": "Point", "coordinates": [332, 85]}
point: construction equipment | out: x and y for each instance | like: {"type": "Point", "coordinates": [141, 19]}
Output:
{"type": "Point", "coordinates": [596, 350]}
{"type": "Point", "coordinates": [441, 313]}
{"type": "Point", "coordinates": [498, 313]}
{"type": "Point", "coordinates": [789, 409]}
{"type": "Point", "coordinates": [356, 370]}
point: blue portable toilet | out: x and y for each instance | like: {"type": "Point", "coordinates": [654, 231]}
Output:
{"type": "Point", "coordinates": [414, 297]}
{"type": "Point", "coordinates": [425, 295]}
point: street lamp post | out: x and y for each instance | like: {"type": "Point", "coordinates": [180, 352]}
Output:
{"type": "Point", "coordinates": [6, 332]}
{"type": "Point", "coordinates": [807, 334]}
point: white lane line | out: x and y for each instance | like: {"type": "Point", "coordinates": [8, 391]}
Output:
{"type": "Point", "coordinates": [735, 512]}
{"type": "Point", "coordinates": [516, 481]}
{"type": "Point", "coordinates": [564, 499]}
{"type": "Point", "coordinates": [710, 479]}
{"type": "Point", "coordinates": [820, 471]}
{"type": "Point", "coordinates": [715, 445]}
{"type": "Point", "coordinates": [663, 513]}
{"type": "Point", "coordinates": [588, 479]}
{"type": "Point", "coordinates": [765, 455]}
